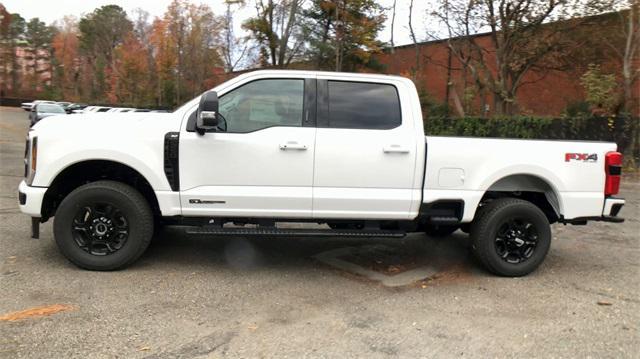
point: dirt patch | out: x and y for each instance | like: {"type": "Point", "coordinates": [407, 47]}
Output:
{"type": "Point", "coordinates": [386, 260]}
{"type": "Point", "coordinates": [455, 275]}
{"type": "Point", "coordinates": [36, 312]}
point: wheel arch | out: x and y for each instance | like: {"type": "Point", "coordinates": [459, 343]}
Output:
{"type": "Point", "coordinates": [530, 187]}
{"type": "Point", "coordinates": [79, 173]}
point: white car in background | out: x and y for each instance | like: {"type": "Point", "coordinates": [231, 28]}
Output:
{"type": "Point", "coordinates": [28, 106]}
{"type": "Point", "coordinates": [95, 109]}
{"type": "Point", "coordinates": [42, 110]}
{"type": "Point", "coordinates": [121, 109]}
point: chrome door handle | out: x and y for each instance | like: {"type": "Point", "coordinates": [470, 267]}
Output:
{"type": "Point", "coordinates": [292, 146]}
{"type": "Point", "coordinates": [395, 149]}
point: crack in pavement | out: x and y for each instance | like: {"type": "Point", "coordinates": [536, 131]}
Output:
{"type": "Point", "coordinates": [604, 294]}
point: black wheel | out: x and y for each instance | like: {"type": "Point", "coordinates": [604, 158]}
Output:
{"type": "Point", "coordinates": [103, 225]}
{"type": "Point", "coordinates": [510, 237]}
{"type": "Point", "coordinates": [440, 230]}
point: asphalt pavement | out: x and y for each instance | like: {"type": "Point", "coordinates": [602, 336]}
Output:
{"type": "Point", "coordinates": [234, 297]}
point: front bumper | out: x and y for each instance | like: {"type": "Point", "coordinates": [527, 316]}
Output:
{"type": "Point", "coordinates": [30, 199]}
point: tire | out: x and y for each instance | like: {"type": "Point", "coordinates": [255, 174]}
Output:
{"type": "Point", "coordinates": [440, 231]}
{"type": "Point", "coordinates": [510, 237]}
{"type": "Point", "coordinates": [91, 222]}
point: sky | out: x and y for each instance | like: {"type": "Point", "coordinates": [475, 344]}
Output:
{"type": "Point", "coordinates": [52, 10]}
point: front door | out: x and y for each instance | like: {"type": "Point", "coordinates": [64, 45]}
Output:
{"type": "Point", "coordinates": [259, 163]}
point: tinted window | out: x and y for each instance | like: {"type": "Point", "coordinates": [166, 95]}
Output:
{"type": "Point", "coordinates": [363, 105]}
{"type": "Point", "coordinates": [263, 103]}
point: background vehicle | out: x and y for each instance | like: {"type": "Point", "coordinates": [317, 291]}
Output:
{"type": "Point", "coordinates": [44, 109]}
{"type": "Point", "coordinates": [267, 147]}
{"type": "Point", "coordinates": [64, 104]}
{"type": "Point", "coordinates": [90, 109]}
{"type": "Point", "coordinates": [120, 109]}
{"type": "Point", "coordinates": [72, 108]}
{"type": "Point", "coordinates": [28, 106]}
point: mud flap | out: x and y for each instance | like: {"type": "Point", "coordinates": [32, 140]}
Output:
{"type": "Point", "coordinates": [35, 227]}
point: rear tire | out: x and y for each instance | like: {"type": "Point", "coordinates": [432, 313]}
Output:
{"type": "Point", "coordinates": [510, 237]}
{"type": "Point", "coordinates": [103, 225]}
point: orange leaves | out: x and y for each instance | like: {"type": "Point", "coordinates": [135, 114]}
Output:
{"type": "Point", "coordinates": [129, 81]}
{"type": "Point", "coordinates": [36, 312]}
{"type": "Point", "coordinates": [65, 46]}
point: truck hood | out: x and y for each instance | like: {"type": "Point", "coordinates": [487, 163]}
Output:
{"type": "Point", "coordinates": [99, 125]}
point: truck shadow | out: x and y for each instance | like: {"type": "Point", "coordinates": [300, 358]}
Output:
{"type": "Point", "coordinates": [391, 262]}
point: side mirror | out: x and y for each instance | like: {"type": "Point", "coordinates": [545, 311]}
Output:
{"type": "Point", "coordinates": [207, 116]}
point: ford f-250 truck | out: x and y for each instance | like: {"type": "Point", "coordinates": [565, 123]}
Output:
{"type": "Point", "coordinates": [267, 147]}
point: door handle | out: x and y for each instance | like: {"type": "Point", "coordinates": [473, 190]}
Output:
{"type": "Point", "coordinates": [291, 145]}
{"type": "Point", "coordinates": [395, 149]}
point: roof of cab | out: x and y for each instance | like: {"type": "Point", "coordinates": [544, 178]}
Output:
{"type": "Point", "coordinates": [352, 75]}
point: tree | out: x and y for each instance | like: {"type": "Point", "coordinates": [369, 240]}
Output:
{"type": "Point", "coordinates": [12, 28]}
{"type": "Point", "coordinates": [600, 89]}
{"type": "Point", "coordinates": [38, 37]}
{"type": "Point", "coordinates": [393, 23]}
{"type": "Point", "coordinates": [186, 44]}
{"type": "Point", "coordinates": [65, 59]}
{"type": "Point", "coordinates": [525, 36]}
{"type": "Point", "coordinates": [130, 83]}
{"type": "Point", "coordinates": [201, 51]}
{"type": "Point", "coordinates": [233, 49]}
{"type": "Point", "coordinates": [412, 33]}
{"type": "Point", "coordinates": [277, 30]}
{"type": "Point", "coordinates": [100, 33]}
{"type": "Point", "coordinates": [624, 43]}
{"type": "Point", "coordinates": [165, 62]}
{"type": "Point", "coordinates": [341, 34]}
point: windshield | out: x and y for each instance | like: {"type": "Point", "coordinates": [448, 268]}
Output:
{"type": "Point", "coordinates": [50, 108]}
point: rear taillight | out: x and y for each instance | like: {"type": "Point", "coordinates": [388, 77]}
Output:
{"type": "Point", "coordinates": [612, 170]}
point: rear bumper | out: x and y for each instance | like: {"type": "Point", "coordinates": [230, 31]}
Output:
{"type": "Point", "coordinates": [612, 206]}
{"type": "Point", "coordinates": [610, 211]}
{"type": "Point", "coordinates": [30, 199]}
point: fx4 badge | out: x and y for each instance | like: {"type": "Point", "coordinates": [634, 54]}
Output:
{"type": "Point", "coordinates": [584, 157]}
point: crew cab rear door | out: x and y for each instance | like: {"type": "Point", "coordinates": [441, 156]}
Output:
{"type": "Point", "coordinates": [365, 158]}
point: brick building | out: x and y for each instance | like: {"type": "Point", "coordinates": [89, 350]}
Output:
{"type": "Point", "coordinates": [442, 78]}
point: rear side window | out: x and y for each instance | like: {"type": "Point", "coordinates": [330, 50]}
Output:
{"type": "Point", "coordinates": [363, 105]}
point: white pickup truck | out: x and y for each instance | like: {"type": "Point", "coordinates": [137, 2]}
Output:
{"type": "Point", "coordinates": [267, 147]}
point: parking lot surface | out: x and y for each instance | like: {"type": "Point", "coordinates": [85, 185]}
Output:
{"type": "Point", "coordinates": [234, 297]}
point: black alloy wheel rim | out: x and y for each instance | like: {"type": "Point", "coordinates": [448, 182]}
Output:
{"type": "Point", "coordinates": [516, 240]}
{"type": "Point", "coordinates": [100, 229]}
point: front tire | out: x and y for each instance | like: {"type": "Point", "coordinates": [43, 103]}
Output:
{"type": "Point", "coordinates": [510, 237]}
{"type": "Point", "coordinates": [103, 225]}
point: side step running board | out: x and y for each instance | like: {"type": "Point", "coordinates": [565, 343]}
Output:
{"type": "Point", "coordinates": [291, 232]}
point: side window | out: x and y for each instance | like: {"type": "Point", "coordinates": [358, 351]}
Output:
{"type": "Point", "coordinates": [263, 103]}
{"type": "Point", "coordinates": [363, 105]}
